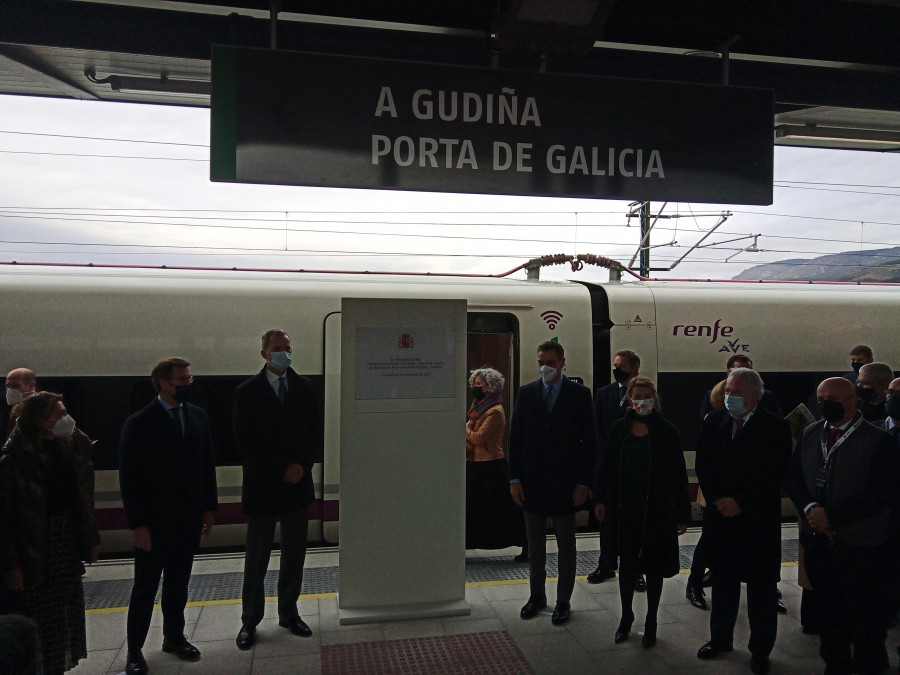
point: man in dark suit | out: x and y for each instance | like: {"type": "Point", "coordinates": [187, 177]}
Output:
{"type": "Point", "coordinates": [742, 455]}
{"type": "Point", "coordinates": [860, 355]}
{"type": "Point", "coordinates": [278, 427]}
{"type": "Point", "coordinates": [552, 451]}
{"type": "Point", "coordinates": [167, 475]}
{"type": "Point", "coordinates": [843, 480]}
{"type": "Point", "coordinates": [698, 577]}
{"type": "Point", "coordinates": [609, 405]}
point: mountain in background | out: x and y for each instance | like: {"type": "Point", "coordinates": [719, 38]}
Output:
{"type": "Point", "coordinates": [879, 265]}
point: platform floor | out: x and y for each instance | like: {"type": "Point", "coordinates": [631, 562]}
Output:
{"type": "Point", "coordinates": [492, 639]}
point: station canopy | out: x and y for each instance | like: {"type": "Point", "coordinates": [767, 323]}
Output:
{"type": "Point", "coordinates": [833, 65]}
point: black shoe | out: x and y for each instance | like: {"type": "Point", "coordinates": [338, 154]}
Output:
{"type": "Point", "coordinates": [708, 651]}
{"type": "Point", "coordinates": [640, 584]}
{"type": "Point", "coordinates": [602, 573]}
{"type": "Point", "coordinates": [649, 638]}
{"type": "Point", "coordinates": [297, 626]}
{"type": "Point", "coordinates": [760, 665]}
{"type": "Point", "coordinates": [181, 648]}
{"type": "Point", "coordinates": [532, 607]}
{"type": "Point", "coordinates": [694, 594]}
{"type": "Point", "coordinates": [136, 664]}
{"type": "Point", "coordinates": [623, 630]}
{"type": "Point", "coordinates": [246, 637]}
{"type": "Point", "coordinates": [778, 594]}
{"type": "Point", "coordinates": [780, 606]}
{"type": "Point", "coordinates": [522, 557]}
{"type": "Point", "coordinates": [561, 613]}
{"type": "Point", "coordinates": [707, 579]}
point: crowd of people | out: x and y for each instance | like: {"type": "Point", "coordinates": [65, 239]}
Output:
{"type": "Point", "coordinates": [167, 478]}
{"type": "Point", "coordinates": [613, 453]}
{"type": "Point", "coordinates": [616, 453]}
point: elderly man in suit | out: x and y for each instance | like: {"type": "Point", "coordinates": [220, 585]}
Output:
{"type": "Point", "coordinates": [742, 454]}
{"type": "Point", "coordinates": [843, 480]}
{"type": "Point", "coordinates": [609, 405]}
{"type": "Point", "coordinates": [167, 475]}
{"type": "Point", "coordinates": [552, 451]}
{"type": "Point", "coordinates": [278, 427]}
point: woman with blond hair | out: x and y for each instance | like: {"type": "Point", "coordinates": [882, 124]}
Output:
{"type": "Point", "coordinates": [492, 519]}
{"type": "Point", "coordinates": [641, 490]}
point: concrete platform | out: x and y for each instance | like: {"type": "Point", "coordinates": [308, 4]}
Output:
{"type": "Point", "coordinates": [584, 645]}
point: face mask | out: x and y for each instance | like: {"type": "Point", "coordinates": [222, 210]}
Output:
{"type": "Point", "coordinates": [620, 375]}
{"type": "Point", "coordinates": [892, 406]}
{"type": "Point", "coordinates": [865, 393]}
{"type": "Point", "coordinates": [478, 393]}
{"type": "Point", "coordinates": [182, 393]}
{"type": "Point", "coordinates": [832, 411]}
{"type": "Point", "coordinates": [64, 426]}
{"type": "Point", "coordinates": [642, 406]}
{"type": "Point", "coordinates": [856, 366]}
{"type": "Point", "coordinates": [548, 374]}
{"type": "Point", "coordinates": [13, 396]}
{"type": "Point", "coordinates": [280, 360]}
{"type": "Point", "coordinates": [735, 405]}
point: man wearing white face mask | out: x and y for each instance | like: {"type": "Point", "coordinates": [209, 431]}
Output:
{"type": "Point", "coordinates": [278, 428]}
{"type": "Point", "coordinates": [552, 450]}
{"type": "Point", "coordinates": [20, 384]}
{"type": "Point", "coordinates": [742, 456]}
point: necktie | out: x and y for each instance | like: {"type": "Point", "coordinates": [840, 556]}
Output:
{"type": "Point", "coordinates": [282, 388]}
{"type": "Point", "coordinates": [833, 434]}
{"type": "Point", "coordinates": [738, 425]}
{"type": "Point", "coordinates": [178, 416]}
{"type": "Point", "coordinates": [548, 397]}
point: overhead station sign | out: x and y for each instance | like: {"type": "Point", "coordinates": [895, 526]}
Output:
{"type": "Point", "coordinates": [294, 118]}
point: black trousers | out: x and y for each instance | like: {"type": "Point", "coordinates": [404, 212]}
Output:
{"type": "Point", "coordinates": [850, 602]}
{"type": "Point", "coordinates": [260, 535]}
{"type": "Point", "coordinates": [149, 566]}
{"type": "Point", "coordinates": [761, 612]}
{"type": "Point", "coordinates": [536, 529]}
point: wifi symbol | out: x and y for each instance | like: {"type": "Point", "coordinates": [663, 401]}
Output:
{"type": "Point", "coordinates": [552, 317]}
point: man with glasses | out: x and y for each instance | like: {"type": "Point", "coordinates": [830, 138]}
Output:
{"type": "Point", "coordinates": [871, 384]}
{"type": "Point", "coordinates": [20, 384]}
{"type": "Point", "coordinates": [278, 428]}
{"type": "Point", "coordinates": [167, 475]}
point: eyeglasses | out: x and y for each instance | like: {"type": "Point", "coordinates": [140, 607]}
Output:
{"type": "Point", "coordinates": [188, 379]}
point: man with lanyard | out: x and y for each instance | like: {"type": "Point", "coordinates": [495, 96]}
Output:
{"type": "Point", "coordinates": [841, 479]}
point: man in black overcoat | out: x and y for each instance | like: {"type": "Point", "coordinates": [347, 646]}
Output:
{"type": "Point", "coordinates": [167, 475]}
{"type": "Point", "coordinates": [552, 451]}
{"type": "Point", "coordinates": [278, 428]}
{"type": "Point", "coordinates": [742, 455]}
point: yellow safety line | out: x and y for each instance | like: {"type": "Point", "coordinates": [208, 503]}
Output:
{"type": "Point", "coordinates": [313, 596]}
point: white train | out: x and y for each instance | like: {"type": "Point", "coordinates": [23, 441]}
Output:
{"type": "Point", "coordinates": [94, 333]}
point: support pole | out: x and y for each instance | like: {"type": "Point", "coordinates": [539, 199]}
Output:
{"type": "Point", "coordinates": [645, 239]}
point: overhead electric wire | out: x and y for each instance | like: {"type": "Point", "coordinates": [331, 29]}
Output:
{"type": "Point", "coordinates": [96, 138]}
{"type": "Point", "coordinates": [76, 154]}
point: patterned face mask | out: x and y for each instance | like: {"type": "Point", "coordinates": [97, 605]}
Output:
{"type": "Point", "coordinates": [642, 406]}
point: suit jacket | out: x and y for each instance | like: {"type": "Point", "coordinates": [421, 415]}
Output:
{"type": "Point", "coordinates": [608, 408]}
{"type": "Point", "coordinates": [860, 494]}
{"type": "Point", "coordinates": [167, 481]}
{"type": "Point", "coordinates": [892, 430]}
{"type": "Point", "coordinates": [272, 435]}
{"type": "Point", "coordinates": [749, 468]}
{"type": "Point", "coordinates": [552, 452]}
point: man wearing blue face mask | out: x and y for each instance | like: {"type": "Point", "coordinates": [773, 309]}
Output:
{"type": "Point", "coordinates": [742, 454]}
{"type": "Point", "coordinates": [278, 428]}
{"type": "Point", "coordinates": [552, 451]}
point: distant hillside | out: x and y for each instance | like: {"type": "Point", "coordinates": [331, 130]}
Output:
{"type": "Point", "coordinates": [878, 265]}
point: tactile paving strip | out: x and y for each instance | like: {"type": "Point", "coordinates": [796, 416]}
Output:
{"type": "Point", "coordinates": [318, 580]}
{"type": "Point", "coordinates": [492, 653]}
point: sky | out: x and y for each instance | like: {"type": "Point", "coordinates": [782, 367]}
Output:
{"type": "Point", "coordinates": [117, 183]}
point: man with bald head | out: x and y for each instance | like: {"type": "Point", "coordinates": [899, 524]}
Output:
{"type": "Point", "coordinates": [842, 479]}
{"type": "Point", "coordinates": [742, 454]}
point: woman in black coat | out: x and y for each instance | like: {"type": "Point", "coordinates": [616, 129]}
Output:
{"type": "Point", "coordinates": [641, 489]}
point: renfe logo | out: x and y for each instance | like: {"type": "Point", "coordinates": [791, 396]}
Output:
{"type": "Point", "coordinates": [715, 331]}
